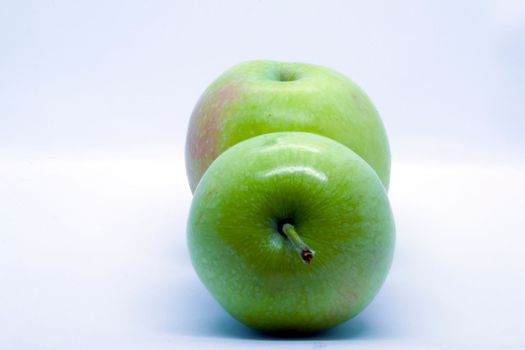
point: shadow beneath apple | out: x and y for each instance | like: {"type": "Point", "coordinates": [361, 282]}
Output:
{"type": "Point", "coordinates": [357, 328]}
{"type": "Point", "coordinates": [195, 313]}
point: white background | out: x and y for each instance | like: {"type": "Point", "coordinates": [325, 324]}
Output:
{"type": "Point", "coordinates": [94, 104]}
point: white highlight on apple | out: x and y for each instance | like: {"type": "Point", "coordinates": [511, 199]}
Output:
{"type": "Point", "coordinates": [297, 169]}
{"type": "Point", "coordinates": [299, 147]}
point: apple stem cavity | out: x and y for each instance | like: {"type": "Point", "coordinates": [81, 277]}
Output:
{"type": "Point", "coordinates": [304, 251]}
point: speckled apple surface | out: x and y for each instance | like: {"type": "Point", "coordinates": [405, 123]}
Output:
{"type": "Point", "coordinates": [338, 206]}
{"type": "Point", "coordinates": [260, 97]}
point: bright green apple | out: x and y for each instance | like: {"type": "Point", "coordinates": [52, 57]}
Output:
{"type": "Point", "coordinates": [291, 232]}
{"type": "Point", "coordinates": [261, 97]}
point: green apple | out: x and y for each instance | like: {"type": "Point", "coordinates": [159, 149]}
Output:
{"type": "Point", "coordinates": [261, 97]}
{"type": "Point", "coordinates": [291, 232]}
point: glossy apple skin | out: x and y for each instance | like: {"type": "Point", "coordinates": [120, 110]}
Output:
{"type": "Point", "coordinates": [336, 203]}
{"type": "Point", "coordinates": [261, 97]}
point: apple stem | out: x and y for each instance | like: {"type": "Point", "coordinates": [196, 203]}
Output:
{"type": "Point", "coordinates": [304, 251]}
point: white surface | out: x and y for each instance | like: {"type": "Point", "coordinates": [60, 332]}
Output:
{"type": "Point", "coordinates": [93, 255]}
{"type": "Point", "coordinates": [95, 98]}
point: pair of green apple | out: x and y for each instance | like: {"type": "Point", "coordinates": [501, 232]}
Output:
{"type": "Point", "coordinates": [290, 227]}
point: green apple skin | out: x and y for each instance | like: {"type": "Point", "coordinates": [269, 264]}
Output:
{"type": "Point", "coordinates": [337, 205]}
{"type": "Point", "coordinates": [261, 97]}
